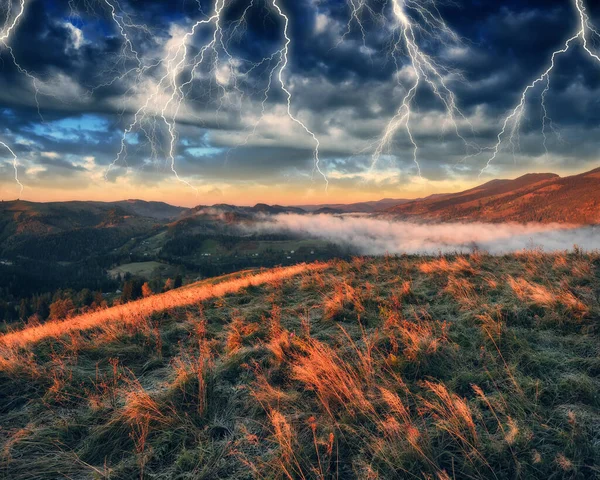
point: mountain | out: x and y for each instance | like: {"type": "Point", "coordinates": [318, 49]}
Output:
{"type": "Point", "coordinates": [328, 211]}
{"type": "Point", "coordinates": [360, 207]}
{"type": "Point", "coordinates": [275, 209]}
{"type": "Point", "coordinates": [67, 231]}
{"type": "Point", "coordinates": [22, 218]}
{"type": "Point", "coordinates": [77, 245]}
{"type": "Point", "coordinates": [236, 211]}
{"type": "Point", "coordinates": [156, 210]}
{"type": "Point", "coordinates": [536, 197]}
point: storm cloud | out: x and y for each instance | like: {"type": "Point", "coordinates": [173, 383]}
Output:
{"type": "Point", "coordinates": [84, 87]}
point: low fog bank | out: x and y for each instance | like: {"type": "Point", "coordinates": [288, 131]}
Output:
{"type": "Point", "coordinates": [376, 236]}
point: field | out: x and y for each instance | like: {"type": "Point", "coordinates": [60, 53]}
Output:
{"type": "Point", "coordinates": [377, 368]}
{"type": "Point", "coordinates": [143, 269]}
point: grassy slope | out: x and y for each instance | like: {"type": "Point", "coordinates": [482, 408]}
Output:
{"type": "Point", "coordinates": [469, 367]}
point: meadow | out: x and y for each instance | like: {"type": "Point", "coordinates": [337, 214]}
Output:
{"type": "Point", "coordinates": [438, 367]}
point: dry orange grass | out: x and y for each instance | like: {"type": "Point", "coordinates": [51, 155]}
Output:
{"type": "Point", "coordinates": [462, 290]}
{"type": "Point", "coordinates": [20, 363]}
{"type": "Point", "coordinates": [422, 338]}
{"type": "Point", "coordinates": [335, 382]}
{"type": "Point", "coordinates": [237, 330]}
{"type": "Point", "coordinates": [399, 429]}
{"type": "Point", "coordinates": [140, 407]}
{"type": "Point", "coordinates": [270, 396]}
{"type": "Point", "coordinates": [141, 412]}
{"type": "Point", "coordinates": [560, 261]}
{"type": "Point", "coordinates": [546, 297]}
{"type": "Point", "coordinates": [16, 436]}
{"type": "Point", "coordinates": [138, 310]}
{"type": "Point", "coordinates": [283, 434]}
{"type": "Point", "coordinates": [492, 323]}
{"type": "Point", "coordinates": [451, 413]}
{"type": "Point", "coordinates": [581, 268]}
{"type": "Point", "coordinates": [344, 295]}
{"type": "Point", "coordinates": [443, 266]}
{"type": "Point", "coordinates": [188, 366]}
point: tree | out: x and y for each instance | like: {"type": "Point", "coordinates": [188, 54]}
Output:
{"type": "Point", "coordinates": [61, 308]}
{"type": "Point", "coordinates": [85, 297]}
{"type": "Point", "coordinates": [146, 290]}
{"type": "Point", "coordinates": [42, 306]}
{"type": "Point", "coordinates": [24, 309]}
{"type": "Point", "coordinates": [7, 311]}
{"type": "Point", "coordinates": [127, 292]}
{"type": "Point", "coordinates": [178, 281]}
{"type": "Point", "coordinates": [156, 283]}
{"type": "Point", "coordinates": [132, 290]}
{"type": "Point", "coordinates": [168, 284]}
{"type": "Point", "coordinates": [98, 300]}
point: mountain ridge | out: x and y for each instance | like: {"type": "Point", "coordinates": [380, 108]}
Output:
{"type": "Point", "coordinates": [533, 197]}
{"type": "Point", "coordinates": [543, 197]}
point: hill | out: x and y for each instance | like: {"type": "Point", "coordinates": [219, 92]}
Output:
{"type": "Point", "coordinates": [156, 210]}
{"type": "Point", "coordinates": [45, 246]}
{"type": "Point", "coordinates": [91, 245]}
{"type": "Point", "coordinates": [241, 211]}
{"type": "Point", "coordinates": [21, 220]}
{"type": "Point", "coordinates": [359, 207]}
{"type": "Point", "coordinates": [412, 367]}
{"type": "Point", "coordinates": [544, 197]}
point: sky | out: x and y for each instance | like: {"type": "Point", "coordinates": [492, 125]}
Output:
{"type": "Point", "coordinates": [203, 102]}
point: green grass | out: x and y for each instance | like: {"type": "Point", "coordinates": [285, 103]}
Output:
{"type": "Point", "coordinates": [151, 245]}
{"type": "Point", "coordinates": [377, 368]}
{"type": "Point", "coordinates": [143, 269]}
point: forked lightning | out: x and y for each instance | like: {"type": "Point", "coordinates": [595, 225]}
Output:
{"type": "Point", "coordinates": [585, 30]}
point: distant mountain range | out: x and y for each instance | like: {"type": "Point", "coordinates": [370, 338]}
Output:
{"type": "Point", "coordinates": [539, 197]}
{"type": "Point", "coordinates": [535, 197]}
{"type": "Point", "coordinates": [360, 207]}
{"type": "Point", "coordinates": [21, 218]}
{"type": "Point", "coordinates": [45, 246]}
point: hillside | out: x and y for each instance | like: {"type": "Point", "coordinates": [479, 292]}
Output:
{"type": "Point", "coordinates": [67, 249]}
{"type": "Point", "coordinates": [358, 207]}
{"type": "Point", "coordinates": [23, 218]}
{"type": "Point", "coordinates": [45, 246]}
{"type": "Point", "coordinates": [92, 245]}
{"type": "Point", "coordinates": [156, 210]}
{"type": "Point", "coordinates": [542, 198]}
{"type": "Point", "coordinates": [56, 222]}
{"type": "Point", "coordinates": [379, 368]}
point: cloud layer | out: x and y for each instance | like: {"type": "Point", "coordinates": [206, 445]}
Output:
{"type": "Point", "coordinates": [373, 236]}
{"type": "Point", "coordinates": [344, 85]}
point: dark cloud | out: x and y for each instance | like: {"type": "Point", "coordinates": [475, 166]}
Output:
{"type": "Point", "coordinates": [345, 91]}
{"type": "Point", "coordinates": [60, 163]}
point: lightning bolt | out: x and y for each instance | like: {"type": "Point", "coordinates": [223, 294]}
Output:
{"type": "Point", "coordinates": [180, 70]}
{"type": "Point", "coordinates": [4, 38]}
{"type": "Point", "coordinates": [5, 35]}
{"type": "Point", "coordinates": [283, 62]}
{"type": "Point", "coordinates": [416, 25]}
{"type": "Point", "coordinates": [584, 30]}
{"type": "Point", "coordinates": [356, 10]}
{"type": "Point", "coordinates": [174, 64]}
{"type": "Point", "coordinates": [278, 71]}
{"type": "Point", "coordinates": [412, 20]}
